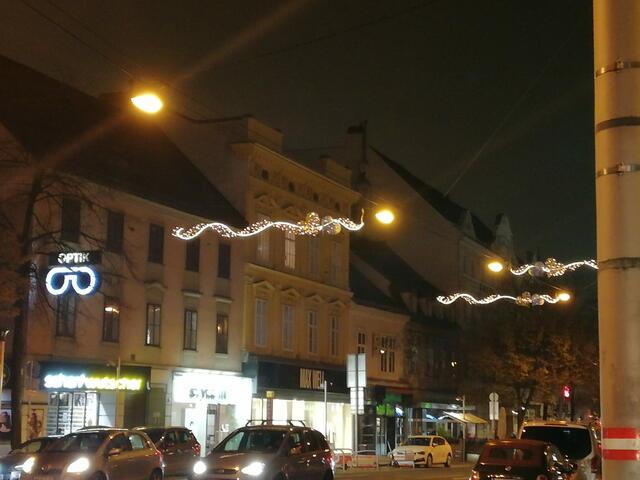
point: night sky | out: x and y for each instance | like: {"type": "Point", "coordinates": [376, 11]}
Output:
{"type": "Point", "coordinates": [434, 79]}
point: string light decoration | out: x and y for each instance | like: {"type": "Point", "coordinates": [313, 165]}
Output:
{"type": "Point", "coordinates": [552, 267]}
{"type": "Point", "coordinates": [525, 299]}
{"type": "Point", "coordinates": [312, 225]}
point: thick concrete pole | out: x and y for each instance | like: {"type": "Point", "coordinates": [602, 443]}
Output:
{"type": "Point", "coordinates": [617, 134]}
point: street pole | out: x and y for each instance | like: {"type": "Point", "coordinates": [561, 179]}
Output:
{"type": "Point", "coordinates": [355, 452]}
{"type": "Point", "coordinates": [617, 147]}
{"type": "Point", "coordinates": [3, 337]}
{"type": "Point", "coordinates": [326, 429]}
{"type": "Point", "coordinates": [117, 393]}
{"type": "Point", "coordinates": [464, 428]}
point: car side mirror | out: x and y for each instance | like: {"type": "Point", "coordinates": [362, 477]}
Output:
{"type": "Point", "coordinates": [114, 451]}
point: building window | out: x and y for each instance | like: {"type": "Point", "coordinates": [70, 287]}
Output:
{"type": "Point", "coordinates": [224, 260]}
{"type": "Point", "coordinates": [263, 241]}
{"type": "Point", "coordinates": [222, 333]}
{"type": "Point", "coordinates": [190, 330]}
{"type": "Point", "coordinates": [111, 320]}
{"type": "Point", "coordinates": [261, 323]}
{"type": "Point", "coordinates": [156, 244]}
{"type": "Point", "coordinates": [66, 316]}
{"type": "Point", "coordinates": [290, 250]}
{"type": "Point", "coordinates": [312, 331]}
{"type": "Point", "coordinates": [115, 231]}
{"type": "Point", "coordinates": [70, 228]}
{"type": "Point", "coordinates": [362, 342]}
{"type": "Point", "coordinates": [336, 262]}
{"type": "Point", "coordinates": [334, 333]}
{"type": "Point", "coordinates": [287, 327]}
{"type": "Point", "coordinates": [154, 317]}
{"type": "Point", "coordinates": [387, 354]}
{"type": "Point", "coordinates": [314, 255]}
{"type": "Point", "coordinates": [192, 262]}
{"type": "Point", "coordinates": [264, 174]}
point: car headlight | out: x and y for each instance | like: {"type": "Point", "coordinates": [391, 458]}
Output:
{"type": "Point", "coordinates": [199, 467]}
{"type": "Point", "coordinates": [253, 469]}
{"type": "Point", "coordinates": [27, 466]}
{"type": "Point", "coordinates": [80, 465]}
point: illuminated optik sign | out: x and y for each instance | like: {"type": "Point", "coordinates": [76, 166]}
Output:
{"type": "Point", "coordinates": [73, 271]}
{"type": "Point", "coordinates": [84, 382]}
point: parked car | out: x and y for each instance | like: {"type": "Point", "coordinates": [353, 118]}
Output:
{"type": "Point", "coordinates": [271, 452]}
{"type": "Point", "coordinates": [11, 464]}
{"type": "Point", "coordinates": [426, 450]}
{"type": "Point", "coordinates": [101, 454]}
{"type": "Point", "coordinates": [521, 460]}
{"type": "Point", "coordinates": [576, 441]}
{"type": "Point", "coordinates": [179, 447]}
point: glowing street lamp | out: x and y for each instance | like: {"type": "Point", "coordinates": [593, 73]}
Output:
{"type": "Point", "coordinates": [148, 102]}
{"type": "Point", "coordinates": [564, 296]}
{"type": "Point", "coordinates": [385, 216]}
{"type": "Point", "coordinates": [496, 266]}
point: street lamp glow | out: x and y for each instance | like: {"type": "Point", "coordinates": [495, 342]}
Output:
{"type": "Point", "coordinates": [564, 296]}
{"type": "Point", "coordinates": [148, 102]}
{"type": "Point", "coordinates": [495, 266]}
{"type": "Point", "coordinates": [385, 216]}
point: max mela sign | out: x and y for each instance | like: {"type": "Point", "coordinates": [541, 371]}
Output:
{"type": "Point", "coordinates": [311, 379]}
{"type": "Point", "coordinates": [73, 270]}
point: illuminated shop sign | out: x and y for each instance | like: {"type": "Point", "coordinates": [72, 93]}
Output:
{"type": "Point", "coordinates": [88, 382]}
{"type": "Point", "coordinates": [73, 270]}
{"type": "Point", "coordinates": [194, 387]}
{"type": "Point", "coordinates": [311, 379]}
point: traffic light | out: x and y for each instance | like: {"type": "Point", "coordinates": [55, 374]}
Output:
{"type": "Point", "coordinates": [566, 391]}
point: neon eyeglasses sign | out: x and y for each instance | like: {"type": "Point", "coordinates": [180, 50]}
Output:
{"type": "Point", "coordinates": [84, 382]}
{"type": "Point", "coordinates": [73, 270]}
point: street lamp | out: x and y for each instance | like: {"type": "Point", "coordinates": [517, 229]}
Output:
{"type": "Point", "coordinates": [148, 102]}
{"type": "Point", "coordinates": [385, 216]}
{"type": "Point", "coordinates": [496, 266]}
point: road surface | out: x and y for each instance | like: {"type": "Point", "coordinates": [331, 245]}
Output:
{"type": "Point", "coordinates": [456, 472]}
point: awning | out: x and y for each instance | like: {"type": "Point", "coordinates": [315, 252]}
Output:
{"type": "Point", "coordinates": [467, 418]}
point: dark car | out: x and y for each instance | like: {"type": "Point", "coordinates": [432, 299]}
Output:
{"type": "Point", "coordinates": [521, 460]}
{"type": "Point", "coordinates": [11, 464]}
{"type": "Point", "coordinates": [179, 447]}
{"type": "Point", "coordinates": [270, 452]}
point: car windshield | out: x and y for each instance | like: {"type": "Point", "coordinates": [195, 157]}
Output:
{"type": "Point", "coordinates": [78, 442]}
{"type": "Point", "coordinates": [523, 456]}
{"type": "Point", "coordinates": [31, 446]}
{"type": "Point", "coordinates": [575, 443]}
{"type": "Point", "coordinates": [262, 441]}
{"type": "Point", "coordinates": [417, 441]}
{"type": "Point", "coordinates": [155, 434]}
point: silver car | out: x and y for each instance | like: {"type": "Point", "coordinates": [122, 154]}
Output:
{"type": "Point", "coordinates": [269, 452]}
{"type": "Point", "coordinates": [104, 454]}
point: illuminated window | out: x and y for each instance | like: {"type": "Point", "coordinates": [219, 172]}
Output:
{"type": "Point", "coordinates": [263, 241]}
{"type": "Point", "coordinates": [287, 327]}
{"type": "Point", "coordinates": [334, 333]}
{"type": "Point", "coordinates": [362, 342]}
{"type": "Point", "coordinates": [154, 317]}
{"type": "Point", "coordinates": [190, 330]}
{"type": "Point", "coordinates": [111, 320]}
{"type": "Point", "coordinates": [312, 331]}
{"type": "Point", "coordinates": [290, 250]}
{"type": "Point", "coordinates": [70, 227]}
{"type": "Point", "coordinates": [115, 231]}
{"type": "Point", "coordinates": [260, 338]}
{"type": "Point", "coordinates": [66, 316]}
{"type": "Point", "coordinates": [192, 259]}
{"type": "Point", "coordinates": [222, 333]}
{"type": "Point", "coordinates": [314, 256]}
{"type": "Point", "coordinates": [156, 244]}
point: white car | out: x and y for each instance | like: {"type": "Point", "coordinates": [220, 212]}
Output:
{"type": "Point", "coordinates": [424, 450]}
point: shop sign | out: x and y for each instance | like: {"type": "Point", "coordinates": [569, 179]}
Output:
{"type": "Point", "coordinates": [191, 387]}
{"type": "Point", "coordinates": [62, 381]}
{"type": "Point", "coordinates": [73, 270]}
{"type": "Point", "coordinates": [311, 379]}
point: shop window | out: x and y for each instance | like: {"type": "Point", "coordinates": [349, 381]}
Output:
{"type": "Point", "coordinates": [362, 342]}
{"type": "Point", "coordinates": [192, 261]}
{"type": "Point", "coordinates": [154, 317]}
{"type": "Point", "coordinates": [66, 315]}
{"type": "Point", "coordinates": [336, 262]}
{"type": "Point", "coordinates": [156, 244]}
{"type": "Point", "coordinates": [290, 250]}
{"type": "Point", "coordinates": [314, 255]}
{"type": "Point", "coordinates": [70, 222]}
{"type": "Point", "coordinates": [190, 330]}
{"type": "Point", "coordinates": [115, 231]}
{"type": "Point", "coordinates": [111, 320]}
{"type": "Point", "coordinates": [312, 331]}
{"type": "Point", "coordinates": [222, 333]}
{"type": "Point", "coordinates": [260, 338]}
{"type": "Point", "coordinates": [334, 333]}
{"type": "Point", "coordinates": [287, 327]}
{"type": "Point", "coordinates": [224, 260]}
{"type": "Point", "coordinates": [263, 241]}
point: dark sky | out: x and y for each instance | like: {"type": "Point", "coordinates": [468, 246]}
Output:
{"type": "Point", "coordinates": [434, 79]}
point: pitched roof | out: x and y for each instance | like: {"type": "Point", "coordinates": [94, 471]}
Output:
{"type": "Point", "coordinates": [443, 204]}
{"type": "Point", "coordinates": [104, 143]}
{"type": "Point", "coordinates": [367, 294]}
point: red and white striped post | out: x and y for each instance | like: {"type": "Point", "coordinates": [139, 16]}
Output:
{"type": "Point", "coordinates": [621, 444]}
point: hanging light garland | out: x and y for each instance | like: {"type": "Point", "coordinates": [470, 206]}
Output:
{"type": "Point", "coordinates": [525, 299]}
{"type": "Point", "coordinates": [552, 267]}
{"type": "Point", "coordinates": [312, 225]}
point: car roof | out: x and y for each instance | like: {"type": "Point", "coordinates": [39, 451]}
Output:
{"type": "Point", "coordinates": [515, 443]}
{"type": "Point", "coordinates": [553, 423]}
{"type": "Point", "coordinates": [160, 428]}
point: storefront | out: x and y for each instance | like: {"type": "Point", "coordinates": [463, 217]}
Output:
{"type": "Point", "coordinates": [296, 392]}
{"type": "Point", "coordinates": [86, 395]}
{"type": "Point", "coordinates": [210, 403]}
